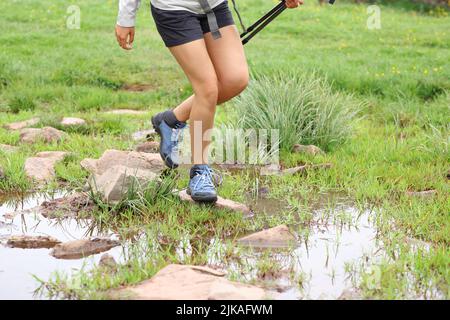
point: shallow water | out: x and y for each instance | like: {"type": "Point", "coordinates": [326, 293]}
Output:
{"type": "Point", "coordinates": [17, 266]}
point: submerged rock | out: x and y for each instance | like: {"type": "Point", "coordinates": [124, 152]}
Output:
{"type": "Point", "coordinates": [32, 242]}
{"type": "Point", "coordinates": [149, 147]}
{"type": "Point", "coordinates": [184, 282]}
{"type": "Point", "coordinates": [72, 206]}
{"type": "Point", "coordinates": [221, 203]}
{"type": "Point", "coordinates": [107, 261]}
{"type": "Point", "coordinates": [22, 124]}
{"type": "Point", "coordinates": [276, 237]}
{"type": "Point", "coordinates": [127, 112]}
{"type": "Point", "coordinates": [129, 159]}
{"type": "Point", "coordinates": [310, 149]}
{"type": "Point", "coordinates": [41, 168]}
{"type": "Point", "coordinates": [78, 249]}
{"type": "Point", "coordinates": [114, 183]}
{"type": "Point", "coordinates": [68, 121]}
{"type": "Point", "coordinates": [45, 134]}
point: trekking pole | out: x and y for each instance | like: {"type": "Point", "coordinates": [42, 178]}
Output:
{"type": "Point", "coordinates": [255, 28]}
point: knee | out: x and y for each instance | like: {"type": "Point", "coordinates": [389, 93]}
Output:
{"type": "Point", "coordinates": [234, 85]}
{"type": "Point", "coordinates": [208, 92]}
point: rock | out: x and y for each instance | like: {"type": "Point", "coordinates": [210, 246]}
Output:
{"type": "Point", "coordinates": [73, 206]}
{"type": "Point", "coordinates": [7, 148]}
{"type": "Point", "coordinates": [115, 182]}
{"type": "Point", "coordinates": [127, 112]}
{"type": "Point", "coordinates": [277, 237]}
{"type": "Point", "coordinates": [147, 135]}
{"type": "Point", "coordinates": [295, 170]}
{"type": "Point", "coordinates": [78, 249]}
{"type": "Point", "coordinates": [149, 147]}
{"type": "Point", "coordinates": [32, 242]}
{"type": "Point", "coordinates": [184, 282]}
{"type": "Point", "coordinates": [107, 261]}
{"type": "Point", "coordinates": [41, 168]}
{"type": "Point", "coordinates": [269, 170]}
{"type": "Point", "coordinates": [310, 149]}
{"type": "Point", "coordinates": [221, 203]}
{"type": "Point", "coordinates": [46, 134]}
{"type": "Point", "coordinates": [22, 124]}
{"type": "Point", "coordinates": [422, 194]}
{"type": "Point", "coordinates": [68, 121]}
{"type": "Point", "coordinates": [130, 159]}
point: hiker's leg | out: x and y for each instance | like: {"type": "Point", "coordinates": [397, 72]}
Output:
{"type": "Point", "coordinates": [194, 59]}
{"type": "Point", "coordinates": [228, 57]}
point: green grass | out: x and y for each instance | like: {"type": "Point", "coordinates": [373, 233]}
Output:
{"type": "Point", "coordinates": [400, 74]}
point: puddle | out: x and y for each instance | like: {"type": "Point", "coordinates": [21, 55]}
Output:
{"type": "Point", "coordinates": [18, 265]}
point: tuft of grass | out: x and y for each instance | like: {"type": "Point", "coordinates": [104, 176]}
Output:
{"type": "Point", "coordinates": [302, 107]}
{"type": "Point", "coordinates": [21, 103]}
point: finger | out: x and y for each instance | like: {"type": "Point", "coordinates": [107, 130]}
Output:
{"type": "Point", "coordinates": [131, 36]}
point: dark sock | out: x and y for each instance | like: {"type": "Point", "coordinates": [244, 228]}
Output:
{"type": "Point", "coordinates": [171, 120]}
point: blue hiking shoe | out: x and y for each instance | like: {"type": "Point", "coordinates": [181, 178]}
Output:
{"type": "Point", "coordinates": [202, 187]}
{"type": "Point", "coordinates": [170, 136]}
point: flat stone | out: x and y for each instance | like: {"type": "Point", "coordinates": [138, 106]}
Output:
{"type": "Point", "coordinates": [309, 149]}
{"type": "Point", "coordinates": [276, 237]}
{"type": "Point", "coordinates": [32, 242]}
{"type": "Point", "coordinates": [78, 249]}
{"type": "Point", "coordinates": [270, 170]}
{"type": "Point", "coordinates": [422, 194]}
{"type": "Point", "coordinates": [72, 206]}
{"type": "Point", "coordinates": [69, 121]}
{"type": "Point", "coordinates": [114, 183]}
{"type": "Point", "coordinates": [22, 124]}
{"type": "Point", "coordinates": [221, 203]}
{"type": "Point", "coordinates": [7, 148]}
{"type": "Point", "coordinates": [295, 170]}
{"type": "Point", "coordinates": [41, 168]}
{"type": "Point", "coordinates": [149, 147]}
{"type": "Point", "coordinates": [129, 159]}
{"type": "Point", "coordinates": [127, 112]}
{"type": "Point", "coordinates": [184, 282]}
{"type": "Point", "coordinates": [46, 134]}
{"type": "Point", "coordinates": [145, 135]}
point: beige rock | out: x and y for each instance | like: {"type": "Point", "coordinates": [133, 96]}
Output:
{"type": "Point", "coordinates": [32, 242]}
{"type": "Point", "coordinates": [127, 112]}
{"type": "Point", "coordinates": [115, 182]}
{"type": "Point", "coordinates": [68, 121]}
{"type": "Point", "coordinates": [107, 261]}
{"type": "Point", "coordinates": [149, 147]}
{"type": "Point", "coordinates": [310, 149]}
{"type": "Point", "coordinates": [22, 124]}
{"type": "Point", "coordinates": [46, 134]}
{"type": "Point", "coordinates": [82, 248]}
{"type": "Point", "coordinates": [130, 159]}
{"type": "Point", "coordinates": [221, 203]}
{"type": "Point", "coordinates": [72, 206]}
{"type": "Point", "coordinates": [184, 282]}
{"type": "Point", "coordinates": [269, 170]}
{"type": "Point", "coordinates": [41, 168]}
{"type": "Point", "coordinates": [279, 236]}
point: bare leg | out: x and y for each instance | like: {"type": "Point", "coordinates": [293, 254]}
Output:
{"type": "Point", "coordinates": [228, 57]}
{"type": "Point", "coordinates": [193, 57]}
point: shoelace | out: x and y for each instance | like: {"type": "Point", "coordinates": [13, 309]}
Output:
{"type": "Point", "coordinates": [205, 180]}
{"type": "Point", "coordinates": [214, 178]}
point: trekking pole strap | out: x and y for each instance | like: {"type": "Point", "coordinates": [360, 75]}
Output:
{"type": "Point", "coordinates": [212, 20]}
{"type": "Point", "coordinates": [239, 16]}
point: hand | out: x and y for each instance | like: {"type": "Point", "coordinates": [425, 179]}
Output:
{"type": "Point", "coordinates": [125, 37]}
{"type": "Point", "coordinates": [293, 3]}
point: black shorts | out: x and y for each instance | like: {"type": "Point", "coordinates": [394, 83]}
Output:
{"type": "Point", "coordinates": [178, 27]}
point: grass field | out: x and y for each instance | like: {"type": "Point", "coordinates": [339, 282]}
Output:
{"type": "Point", "coordinates": [398, 75]}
